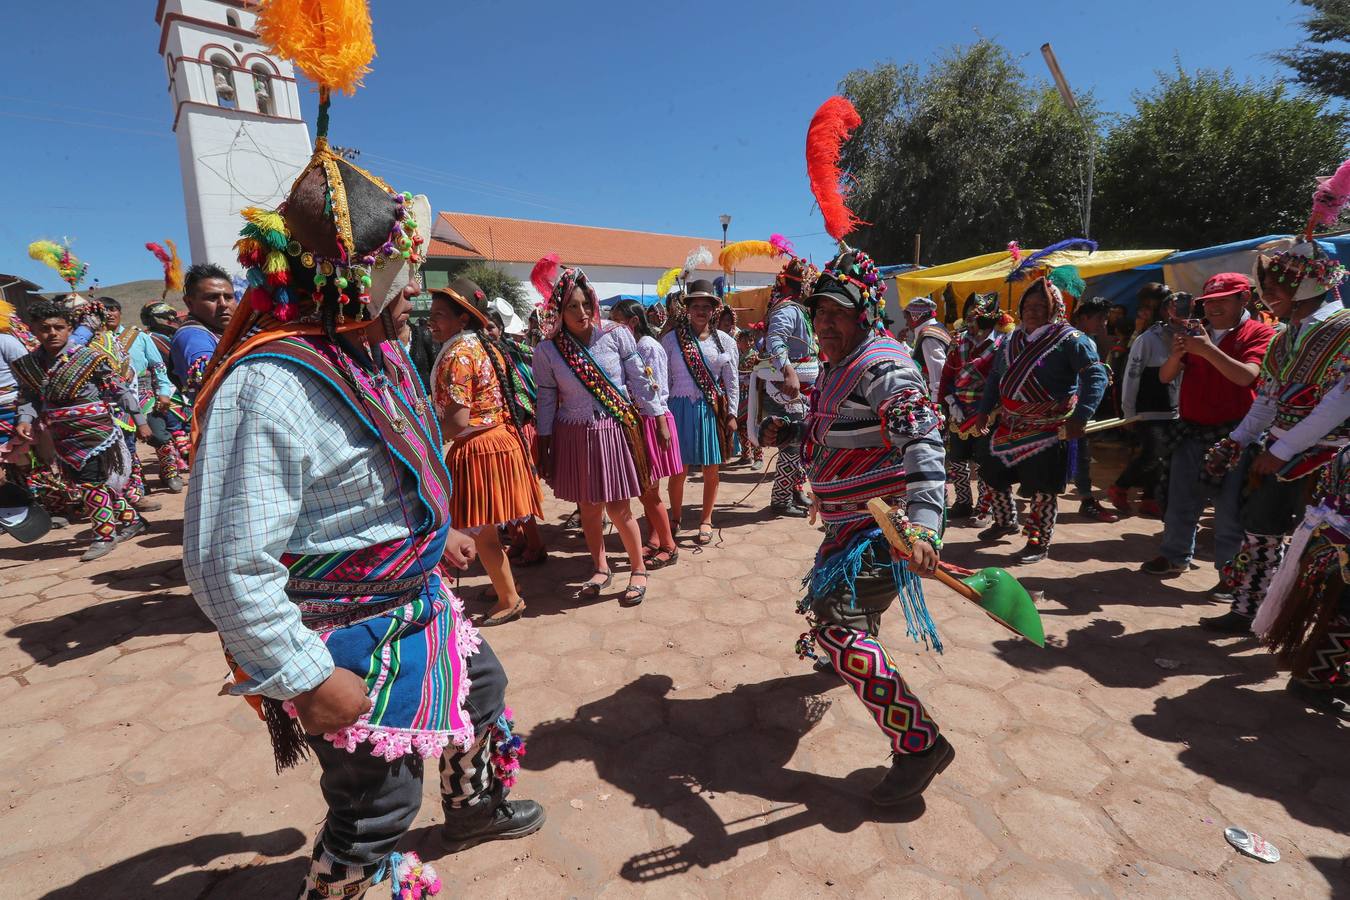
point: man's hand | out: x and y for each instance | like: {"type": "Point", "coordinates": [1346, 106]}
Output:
{"type": "Point", "coordinates": [733, 424]}
{"type": "Point", "coordinates": [979, 425]}
{"type": "Point", "coordinates": [24, 431]}
{"type": "Point", "coordinates": [333, 705]}
{"type": "Point", "coordinates": [814, 512]}
{"type": "Point", "coordinates": [460, 549]}
{"type": "Point", "coordinates": [924, 560]}
{"type": "Point", "coordinates": [1074, 429]}
{"type": "Point", "coordinates": [1199, 344]}
{"type": "Point", "coordinates": [145, 433]}
{"type": "Point", "coordinates": [1178, 345]}
{"type": "Point", "coordinates": [162, 403]}
{"type": "Point", "coordinates": [792, 385]}
{"type": "Point", "coordinates": [1267, 464]}
{"type": "Point", "coordinates": [663, 432]}
{"type": "Point", "coordinates": [768, 432]}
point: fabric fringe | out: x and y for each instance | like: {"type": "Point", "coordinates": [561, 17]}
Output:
{"type": "Point", "coordinates": [288, 737]}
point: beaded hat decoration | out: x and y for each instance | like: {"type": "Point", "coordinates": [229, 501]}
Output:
{"type": "Point", "coordinates": [556, 287]}
{"type": "Point", "coordinates": [986, 306]}
{"type": "Point", "coordinates": [1305, 267]}
{"type": "Point", "coordinates": [851, 279]}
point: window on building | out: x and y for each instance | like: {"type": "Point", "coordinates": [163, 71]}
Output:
{"type": "Point", "coordinates": [232, 18]}
{"type": "Point", "coordinates": [222, 77]}
{"type": "Point", "coordinates": [262, 90]}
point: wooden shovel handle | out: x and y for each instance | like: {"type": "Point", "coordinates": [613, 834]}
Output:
{"type": "Point", "coordinates": [882, 513]}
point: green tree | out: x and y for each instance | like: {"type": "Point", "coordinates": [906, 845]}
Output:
{"type": "Point", "coordinates": [495, 282]}
{"type": "Point", "coordinates": [969, 152]}
{"type": "Point", "coordinates": [1205, 159]}
{"type": "Point", "coordinates": [1316, 65]}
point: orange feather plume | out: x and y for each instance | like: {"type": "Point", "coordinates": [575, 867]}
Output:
{"type": "Point", "coordinates": [329, 40]}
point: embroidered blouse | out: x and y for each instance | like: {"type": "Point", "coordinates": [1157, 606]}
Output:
{"type": "Point", "coordinates": [724, 367]}
{"type": "Point", "coordinates": [562, 396]}
{"type": "Point", "coordinates": [654, 360]}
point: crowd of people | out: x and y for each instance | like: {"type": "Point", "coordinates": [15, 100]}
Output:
{"type": "Point", "coordinates": [340, 463]}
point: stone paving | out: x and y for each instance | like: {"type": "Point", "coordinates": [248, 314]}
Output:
{"type": "Point", "coordinates": [682, 749]}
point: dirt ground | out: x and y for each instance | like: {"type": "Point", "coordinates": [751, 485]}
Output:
{"type": "Point", "coordinates": [682, 749]}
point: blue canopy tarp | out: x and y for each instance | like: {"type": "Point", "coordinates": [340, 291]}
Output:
{"type": "Point", "coordinates": [644, 299]}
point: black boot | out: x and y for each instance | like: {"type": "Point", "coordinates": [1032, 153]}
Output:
{"type": "Point", "coordinates": [790, 510]}
{"type": "Point", "coordinates": [960, 511]}
{"type": "Point", "coordinates": [508, 820]}
{"type": "Point", "coordinates": [1228, 623]}
{"type": "Point", "coordinates": [996, 531]}
{"type": "Point", "coordinates": [911, 773]}
{"type": "Point", "coordinates": [1032, 553]}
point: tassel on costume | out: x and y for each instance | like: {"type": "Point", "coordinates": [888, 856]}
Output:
{"type": "Point", "coordinates": [288, 737]}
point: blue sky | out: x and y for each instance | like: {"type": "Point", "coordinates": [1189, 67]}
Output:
{"type": "Point", "coordinates": [648, 116]}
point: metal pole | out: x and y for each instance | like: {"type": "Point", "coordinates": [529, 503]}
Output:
{"type": "Point", "coordinates": [918, 242]}
{"type": "Point", "coordinates": [1066, 93]}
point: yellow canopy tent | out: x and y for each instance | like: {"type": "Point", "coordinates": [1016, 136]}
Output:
{"type": "Point", "coordinates": [989, 272]}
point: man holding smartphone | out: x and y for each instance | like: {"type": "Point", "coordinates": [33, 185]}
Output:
{"type": "Point", "coordinates": [1220, 356]}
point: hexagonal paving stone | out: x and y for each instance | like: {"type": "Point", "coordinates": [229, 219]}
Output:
{"type": "Point", "coordinates": [1052, 707]}
{"type": "Point", "coordinates": [1054, 828]}
{"type": "Point", "coordinates": [946, 839]}
{"type": "Point", "coordinates": [706, 640]}
{"type": "Point", "coordinates": [1023, 881]}
{"type": "Point", "coordinates": [1169, 827]}
{"type": "Point", "coordinates": [965, 709]}
{"type": "Point", "coordinates": [1056, 761]}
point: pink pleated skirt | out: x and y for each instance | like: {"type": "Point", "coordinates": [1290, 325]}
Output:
{"type": "Point", "coordinates": [592, 463]}
{"type": "Point", "coordinates": [664, 462]}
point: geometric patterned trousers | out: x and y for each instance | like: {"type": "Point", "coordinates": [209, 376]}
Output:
{"type": "Point", "coordinates": [1252, 570]}
{"type": "Point", "coordinates": [862, 661]}
{"type": "Point", "coordinates": [789, 475]}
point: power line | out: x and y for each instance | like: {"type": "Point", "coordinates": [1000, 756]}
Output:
{"type": "Point", "coordinates": [79, 124]}
{"type": "Point", "coordinates": [102, 112]}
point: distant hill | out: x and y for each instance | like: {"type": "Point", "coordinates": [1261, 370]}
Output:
{"type": "Point", "coordinates": [131, 294]}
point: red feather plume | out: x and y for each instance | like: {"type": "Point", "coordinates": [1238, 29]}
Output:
{"type": "Point", "coordinates": [830, 127]}
{"type": "Point", "coordinates": [544, 274]}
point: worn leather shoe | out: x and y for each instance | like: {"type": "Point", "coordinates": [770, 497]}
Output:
{"type": "Point", "coordinates": [791, 510]}
{"type": "Point", "coordinates": [1228, 623]}
{"type": "Point", "coordinates": [1032, 553]}
{"type": "Point", "coordinates": [960, 511]}
{"type": "Point", "coordinates": [510, 820]}
{"type": "Point", "coordinates": [98, 550]}
{"type": "Point", "coordinates": [994, 532]}
{"type": "Point", "coordinates": [911, 773]}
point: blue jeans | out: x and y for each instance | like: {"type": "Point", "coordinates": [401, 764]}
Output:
{"type": "Point", "coordinates": [1187, 497]}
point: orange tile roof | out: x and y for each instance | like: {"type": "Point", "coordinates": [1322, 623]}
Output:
{"type": "Point", "coordinates": [525, 240]}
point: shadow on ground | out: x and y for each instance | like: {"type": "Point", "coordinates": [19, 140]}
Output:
{"type": "Point", "coordinates": [51, 642]}
{"type": "Point", "coordinates": [160, 874]}
{"type": "Point", "coordinates": [642, 741]}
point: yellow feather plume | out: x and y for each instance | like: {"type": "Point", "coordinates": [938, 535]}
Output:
{"type": "Point", "coordinates": [667, 281]}
{"type": "Point", "coordinates": [267, 219]}
{"type": "Point", "coordinates": [6, 315]}
{"type": "Point", "coordinates": [732, 254]}
{"type": "Point", "coordinates": [329, 40]}
{"type": "Point", "coordinates": [173, 278]}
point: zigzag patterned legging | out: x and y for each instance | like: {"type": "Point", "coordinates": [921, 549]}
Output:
{"type": "Point", "coordinates": [106, 510]}
{"type": "Point", "coordinates": [863, 662]}
{"type": "Point", "coordinates": [789, 475]}
{"type": "Point", "coordinates": [1251, 571]}
{"type": "Point", "coordinates": [1325, 666]}
{"type": "Point", "coordinates": [171, 463]}
{"type": "Point", "coordinates": [961, 474]}
{"type": "Point", "coordinates": [1001, 504]}
{"type": "Point", "coordinates": [1042, 513]}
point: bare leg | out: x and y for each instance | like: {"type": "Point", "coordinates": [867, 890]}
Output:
{"type": "Point", "coordinates": [710, 483]}
{"type": "Point", "coordinates": [658, 520]}
{"type": "Point", "coordinates": [593, 529]}
{"type": "Point", "coordinates": [534, 541]}
{"type": "Point", "coordinates": [621, 514]}
{"type": "Point", "coordinates": [498, 568]}
{"type": "Point", "coordinates": [677, 495]}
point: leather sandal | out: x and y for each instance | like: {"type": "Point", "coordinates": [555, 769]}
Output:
{"type": "Point", "coordinates": [705, 534]}
{"type": "Point", "coordinates": [510, 615]}
{"type": "Point", "coordinates": [591, 589]}
{"type": "Point", "coordinates": [634, 594]}
{"type": "Point", "coordinates": [650, 550]}
{"type": "Point", "coordinates": [663, 558]}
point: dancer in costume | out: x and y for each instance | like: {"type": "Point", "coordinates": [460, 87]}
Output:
{"type": "Point", "coordinates": [493, 479]}
{"type": "Point", "coordinates": [1217, 362]}
{"type": "Point", "coordinates": [593, 394]}
{"type": "Point", "coordinates": [71, 390]}
{"type": "Point", "coordinates": [21, 515]}
{"type": "Point", "coordinates": [781, 383]}
{"type": "Point", "coordinates": [1298, 422]}
{"type": "Point", "coordinates": [1305, 617]}
{"type": "Point", "coordinates": [663, 450]}
{"type": "Point", "coordinates": [1046, 377]}
{"type": "Point", "coordinates": [704, 398]}
{"type": "Point", "coordinates": [318, 516]}
{"type": "Point", "coordinates": [872, 432]}
{"type": "Point", "coordinates": [209, 297]}
{"type": "Point", "coordinates": [930, 340]}
{"type": "Point", "coordinates": [964, 373]}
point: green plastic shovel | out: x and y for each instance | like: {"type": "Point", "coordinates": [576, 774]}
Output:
{"type": "Point", "coordinates": [993, 590]}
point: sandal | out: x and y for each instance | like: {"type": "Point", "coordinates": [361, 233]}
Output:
{"type": "Point", "coordinates": [650, 550]}
{"type": "Point", "coordinates": [510, 615]}
{"type": "Point", "coordinates": [662, 558]}
{"type": "Point", "coordinates": [705, 534]}
{"type": "Point", "coordinates": [591, 589]}
{"type": "Point", "coordinates": [634, 594]}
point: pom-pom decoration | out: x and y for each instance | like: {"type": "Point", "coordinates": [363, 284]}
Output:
{"type": "Point", "coordinates": [329, 40]}
{"type": "Point", "coordinates": [544, 274]}
{"type": "Point", "coordinates": [59, 257]}
{"type": "Point", "coordinates": [1014, 252]}
{"type": "Point", "coordinates": [1330, 199]}
{"type": "Point", "coordinates": [666, 282]}
{"type": "Point", "coordinates": [733, 254]}
{"type": "Point", "coordinates": [832, 124]}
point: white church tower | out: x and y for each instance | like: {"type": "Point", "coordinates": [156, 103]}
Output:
{"type": "Point", "coordinates": [236, 111]}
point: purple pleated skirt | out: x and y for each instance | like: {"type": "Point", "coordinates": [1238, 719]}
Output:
{"type": "Point", "coordinates": [667, 462]}
{"type": "Point", "coordinates": [592, 463]}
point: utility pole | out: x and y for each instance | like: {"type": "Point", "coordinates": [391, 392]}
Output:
{"type": "Point", "coordinates": [1066, 94]}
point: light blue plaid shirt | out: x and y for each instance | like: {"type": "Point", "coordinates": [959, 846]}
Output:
{"type": "Point", "coordinates": [283, 466]}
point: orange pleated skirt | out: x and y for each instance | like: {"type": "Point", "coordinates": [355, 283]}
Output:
{"type": "Point", "coordinates": [492, 481]}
